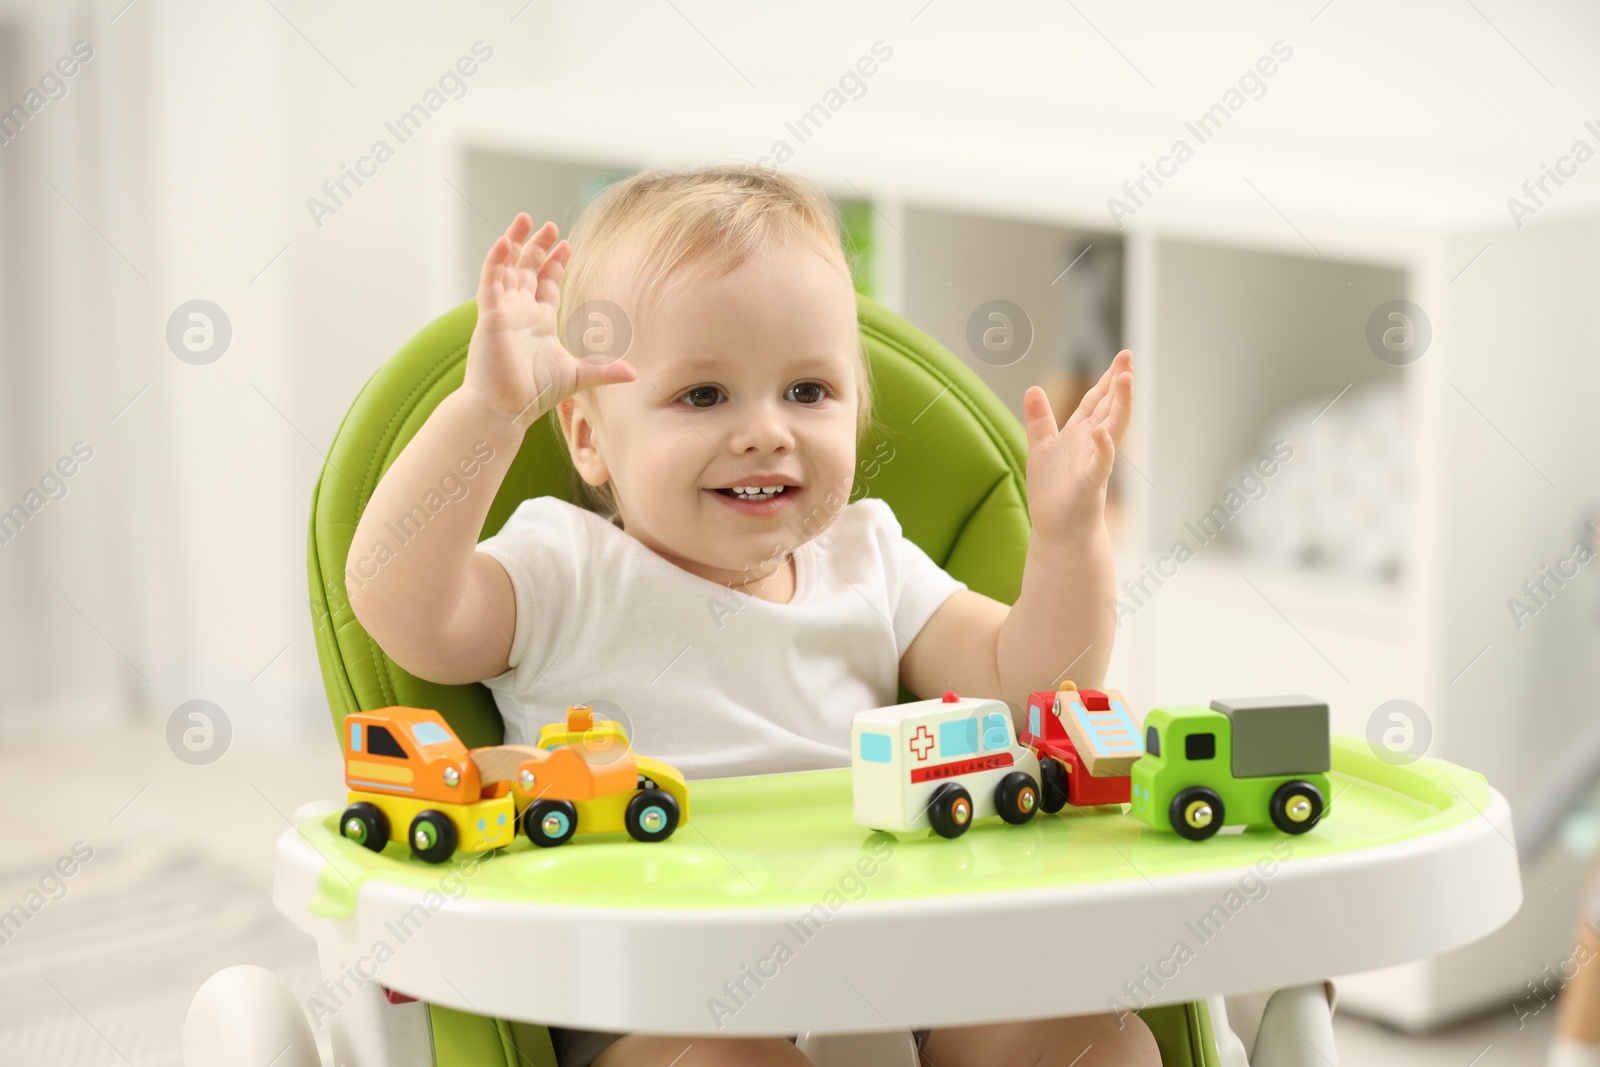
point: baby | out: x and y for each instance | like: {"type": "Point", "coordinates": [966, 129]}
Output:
{"type": "Point", "coordinates": [720, 587]}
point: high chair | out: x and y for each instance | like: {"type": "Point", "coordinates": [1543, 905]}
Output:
{"type": "Point", "coordinates": [950, 460]}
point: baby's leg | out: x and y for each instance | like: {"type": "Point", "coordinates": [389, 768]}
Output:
{"type": "Point", "coordinates": [1106, 1040]}
{"type": "Point", "coordinates": [654, 1050]}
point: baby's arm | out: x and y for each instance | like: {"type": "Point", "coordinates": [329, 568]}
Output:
{"type": "Point", "coordinates": [437, 606]}
{"type": "Point", "coordinates": [1060, 625]}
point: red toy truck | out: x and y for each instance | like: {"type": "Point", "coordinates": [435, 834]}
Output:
{"type": "Point", "coordinates": [1064, 775]}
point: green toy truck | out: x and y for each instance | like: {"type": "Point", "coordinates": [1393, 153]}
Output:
{"type": "Point", "coordinates": [1255, 762]}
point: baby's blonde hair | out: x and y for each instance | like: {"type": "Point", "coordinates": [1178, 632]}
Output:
{"type": "Point", "coordinates": [714, 217]}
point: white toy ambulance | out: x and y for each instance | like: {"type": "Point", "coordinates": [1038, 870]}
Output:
{"type": "Point", "coordinates": [940, 764]}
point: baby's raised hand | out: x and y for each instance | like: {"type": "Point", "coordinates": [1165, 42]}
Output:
{"type": "Point", "coordinates": [516, 364]}
{"type": "Point", "coordinates": [1068, 468]}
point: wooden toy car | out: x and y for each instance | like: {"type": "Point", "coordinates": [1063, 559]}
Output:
{"type": "Point", "coordinates": [1110, 732]}
{"type": "Point", "coordinates": [940, 764]}
{"type": "Point", "coordinates": [1257, 762]}
{"type": "Point", "coordinates": [405, 767]}
{"type": "Point", "coordinates": [583, 777]}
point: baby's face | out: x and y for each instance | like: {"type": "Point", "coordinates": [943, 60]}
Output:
{"type": "Point", "coordinates": [749, 379]}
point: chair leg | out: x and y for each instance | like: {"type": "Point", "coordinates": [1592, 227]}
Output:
{"type": "Point", "coordinates": [886, 1049]}
{"type": "Point", "coordinates": [1297, 1029]}
{"type": "Point", "coordinates": [247, 1015]}
{"type": "Point", "coordinates": [367, 1029]}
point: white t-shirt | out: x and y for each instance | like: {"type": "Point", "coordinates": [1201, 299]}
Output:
{"type": "Point", "coordinates": [710, 679]}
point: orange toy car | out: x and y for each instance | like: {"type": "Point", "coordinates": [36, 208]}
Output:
{"type": "Point", "coordinates": [583, 777]}
{"type": "Point", "coordinates": [406, 767]}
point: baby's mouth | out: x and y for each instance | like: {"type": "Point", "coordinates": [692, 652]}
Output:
{"type": "Point", "coordinates": [752, 492]}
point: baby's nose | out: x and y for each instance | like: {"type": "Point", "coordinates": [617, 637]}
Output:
{"type": "Point", "coordinates": [765, 429]}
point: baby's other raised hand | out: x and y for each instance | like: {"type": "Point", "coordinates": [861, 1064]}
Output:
{"type": "Point", "coordinates": [517, 366]}
{"type": "Point", "coordinates": [1068, 468]}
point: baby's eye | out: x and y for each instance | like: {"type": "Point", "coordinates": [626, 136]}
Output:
{"type": "Point", "coordinates": [702, 396]}
{"type": "Point", "coordinates": [807, 392]}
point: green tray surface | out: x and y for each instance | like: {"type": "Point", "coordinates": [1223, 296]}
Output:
{"type": "Point", "coordinates": [786, 839]}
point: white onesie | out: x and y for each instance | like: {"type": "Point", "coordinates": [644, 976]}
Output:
{"type": "Point", "coordinates": [713, 681]}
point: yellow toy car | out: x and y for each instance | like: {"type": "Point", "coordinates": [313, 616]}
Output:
{"type": "Point", "coordinates": [585, 778]}
{"type": "Point", "coordinates": [406, 767]}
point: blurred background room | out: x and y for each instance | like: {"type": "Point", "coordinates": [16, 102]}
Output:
{"type": "Point", "coordinates": [1354, 246]}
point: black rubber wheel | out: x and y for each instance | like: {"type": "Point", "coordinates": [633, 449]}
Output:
{"type": "Point", "coordinates": [1196, 813]}
{"type": "Point", "coordinates": [549, 823]}
{"type": "Point", "coordinates": [652, 815]}
{"type": "Point", "coordinates": [433, 836]}
{"type": "Point", "coordinates": [950, 810]}
{"type": "Point", "coordinates": [1016, 798]}
{"type": "Point", "coordinates": [366, 825]}
{"type": "Point", "coordinates": [1296, 807]}
{"type": "Point", "coordinates": [1052, 785]}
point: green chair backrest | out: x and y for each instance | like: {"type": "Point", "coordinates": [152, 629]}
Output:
{"type": "Point", "coordinates": [945, 453]}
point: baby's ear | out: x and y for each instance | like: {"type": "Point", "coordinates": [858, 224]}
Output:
{"type": "Point", "coordinates": [578, 427]}
{"type": "Point", "coordinates": [577, 423]}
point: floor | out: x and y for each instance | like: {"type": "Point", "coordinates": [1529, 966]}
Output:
{"type": "Point", "coordinates": [171, 881]}
{"type": "Point", "coordinates": [1494, 1040]}
{"type": "Point", "coordinates": [176, 884]}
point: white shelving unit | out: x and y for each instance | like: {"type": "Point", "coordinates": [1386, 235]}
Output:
{"type": "Point", "coordinates": [1236, 307]}
{"type": "Point", "coordinates": [1227, 337]}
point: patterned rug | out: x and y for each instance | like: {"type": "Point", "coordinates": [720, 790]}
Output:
{"type": "Point", "coordinates": [99, 968]}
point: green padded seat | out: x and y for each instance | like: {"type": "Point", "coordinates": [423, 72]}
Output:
{"type": "Point", "coordinates": [943, 451]}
